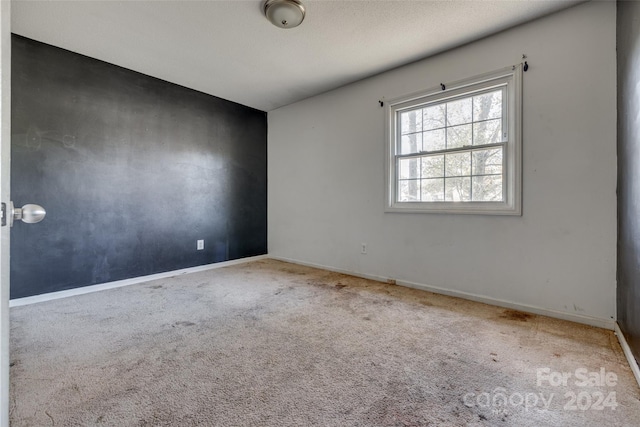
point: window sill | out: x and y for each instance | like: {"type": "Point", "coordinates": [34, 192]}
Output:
{"type": "Point", "coordinates": [468, 208]}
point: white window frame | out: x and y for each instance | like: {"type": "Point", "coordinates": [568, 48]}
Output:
{"type": "Point", "coordinates": [511, 78]}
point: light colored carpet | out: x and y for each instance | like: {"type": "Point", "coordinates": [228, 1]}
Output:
{"type": "Point", "coordinates": [275, 344]}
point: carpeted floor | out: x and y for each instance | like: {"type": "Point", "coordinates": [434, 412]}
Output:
{"type": "Point", "coordinates": [275, 344]}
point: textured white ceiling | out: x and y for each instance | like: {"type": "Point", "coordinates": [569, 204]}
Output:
{"type": "Point", "coordinates": [229, 49]}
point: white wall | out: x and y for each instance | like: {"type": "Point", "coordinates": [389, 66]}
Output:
{"type": "Point", "coordinates": [326, 177]}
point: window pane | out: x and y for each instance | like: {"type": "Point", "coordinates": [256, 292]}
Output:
{"type": "Point", "coordinates": [458, 164]}
{"type": "Point", "coordinates": [434, 140]}
{"type": "Point", "coordinates": [488, 132]}
{"type": "Point", "coordinates": [487, 188]}
{"type": "Point", "coordinates": [458, 136]}
{"type": "Point", "coordinates": [486, 162]}
{"type": "Point", "coordinates": [457, 189]}
{"type": "Point", "coordinates": [409, 168]}
{"type": "Point", "coordinates": [434, 117]}
{"type": "Point", "coordinates": [410, 121]}
{"type": "Point", "coordinates": [459, 112]}
{"type": "Point", "coordinates": [433, 190]}
{"type": "Point", "coordinates": [409, 190]}
{"type": "Point", "coordinates": [433, 167]}
{"type": "Point", "coordinates": [411, 143]}
{"type": "Point", "coordinates": [487, 106]}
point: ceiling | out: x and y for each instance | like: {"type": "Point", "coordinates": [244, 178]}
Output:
{"type": "Point", "coordinates": [229, 49]}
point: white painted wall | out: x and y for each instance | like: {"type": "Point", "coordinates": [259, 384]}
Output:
{"type": "Point", "coordinates": [326, 176]}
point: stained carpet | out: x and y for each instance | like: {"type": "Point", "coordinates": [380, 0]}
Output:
{"type": "Point", "coordinates": [274, 344]}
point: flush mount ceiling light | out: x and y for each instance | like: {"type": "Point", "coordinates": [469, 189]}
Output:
{"type": "Point", "coordinates": [284, 13]}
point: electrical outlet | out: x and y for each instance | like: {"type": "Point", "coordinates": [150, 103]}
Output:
{"type": "Point", "coordinates": [200, 244]}
{"type": "Point", "coordinates": [363, 249]}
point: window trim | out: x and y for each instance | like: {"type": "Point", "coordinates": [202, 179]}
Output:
{"type": "Point", "coordinates": [512, 158]}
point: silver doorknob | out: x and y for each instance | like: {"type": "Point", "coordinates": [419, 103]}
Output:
{"type": "Point", "coordinates": [29, 214]}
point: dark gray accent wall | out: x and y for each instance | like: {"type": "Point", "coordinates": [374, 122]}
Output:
{"type": "Point", "coordinates": [628, 293]}
{"type": "Point", "coordinates": [132, 170]}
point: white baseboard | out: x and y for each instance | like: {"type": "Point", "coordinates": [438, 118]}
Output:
{"type": "Point", "coordinates": [586, 320]}
{"type": "Point", "coordinates": [126, 282]}
{"type": "Point", "coordinates": [627, 352]}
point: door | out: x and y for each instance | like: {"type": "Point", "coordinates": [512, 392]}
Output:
{"type": "Point", "coordinates": [5, 156]}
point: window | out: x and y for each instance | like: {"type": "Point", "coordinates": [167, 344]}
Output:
{"type": "Point", "coordinates": [457, 150]}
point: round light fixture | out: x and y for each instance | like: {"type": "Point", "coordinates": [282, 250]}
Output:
{"type": "Point", "coordinates": [284, 13]}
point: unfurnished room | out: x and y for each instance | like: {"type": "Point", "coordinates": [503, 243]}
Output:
{"type": "Point", "coordinates": [320, 213]}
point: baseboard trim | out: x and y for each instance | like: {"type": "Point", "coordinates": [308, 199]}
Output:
{"type": "Point", "coordinates": [586, 320]}
{"type": "Point", "coordinates": [126, 282]}
{"type": "Point", "coordinates": [627, 352]}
